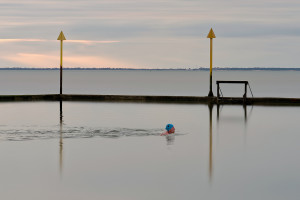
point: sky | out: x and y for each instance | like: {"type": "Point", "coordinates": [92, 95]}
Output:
{"type": "Point", "coordinates": [150, 33]}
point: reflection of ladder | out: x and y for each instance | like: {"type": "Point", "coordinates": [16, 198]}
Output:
{"type": "Point", "coordinates": [222, 99]}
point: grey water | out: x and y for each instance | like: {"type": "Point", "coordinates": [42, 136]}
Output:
{"type": "Point", "coordinates": [101, 150]}
{"type": "Point", "coordinates": [148, 82]}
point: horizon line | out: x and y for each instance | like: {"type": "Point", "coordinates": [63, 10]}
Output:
{"type": "Point", "coordinates": [187, 69]}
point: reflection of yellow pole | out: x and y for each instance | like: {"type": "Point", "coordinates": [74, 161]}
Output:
{"type": "Point", "coordinates": [61, 37]}
{"type": "Point", "coordinates": [210, 143]}
{"type": "Point", "coordinates": [61, 140]}
{"type": "Point", "coordinates": [61, 150]}
{"type": "Point", "coordinates": [211, 35]}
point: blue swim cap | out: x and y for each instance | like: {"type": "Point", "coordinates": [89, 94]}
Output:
{"type": "Point", "coordinates": [169, 126]}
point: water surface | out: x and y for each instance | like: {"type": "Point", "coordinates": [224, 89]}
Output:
{"type": "Point", "coordinates": [114, 151]}
{"type": "Point", "coordinates": [144, 82]}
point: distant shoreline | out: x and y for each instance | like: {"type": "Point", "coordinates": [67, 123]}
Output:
{"type": "Point", "coordinates": [169, 69]}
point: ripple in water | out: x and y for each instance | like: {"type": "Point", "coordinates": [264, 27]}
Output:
{"type": "Point", "coordinates": [31, 133]}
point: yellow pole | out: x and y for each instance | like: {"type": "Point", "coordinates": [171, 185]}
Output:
{"type": "Point", "coordinates": [61, 37]}
{"type": "Point", "coordinates": [61, 64]}
{"type": "Point", "coordinates": [211, 35]}
{"type": "Point", "coordinates": [211, 52]}
{"type": "Point", "coordinates": [210, 74]}
{"type": "Point", "coordinates": [61, 52]}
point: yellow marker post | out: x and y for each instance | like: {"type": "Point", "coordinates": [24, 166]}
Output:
{"type": "Point", "coordinates": [211, 35]}
{"type": "Point", "coordinates": [61, 37]}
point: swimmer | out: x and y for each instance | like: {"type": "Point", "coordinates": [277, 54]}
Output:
{"type": "Point", "coordinates": [170, 130]}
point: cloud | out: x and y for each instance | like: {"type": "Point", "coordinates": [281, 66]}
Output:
{"type": "Point", "coordinates": [87, 42]}
{"type": "Point", "coordinates": [44, 61]}
{"type": "Point", "coordinates": [32, 60]}
{"type": "Point", "coordinates": [21, 40]}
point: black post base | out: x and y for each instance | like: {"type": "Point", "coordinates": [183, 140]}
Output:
{"type": "Point", "coordinates": [210, 94]}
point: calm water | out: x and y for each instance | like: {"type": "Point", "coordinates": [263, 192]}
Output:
{"type": "Point", "coordinates": [185, 83]}
{"type": "Point", "coordinates": [115, 151]}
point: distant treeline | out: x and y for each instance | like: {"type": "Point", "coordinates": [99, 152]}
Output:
{"type": "Point", "coordinates": [158, 69]}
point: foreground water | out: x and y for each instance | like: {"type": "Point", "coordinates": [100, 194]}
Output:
{"type": "Point", "coordinates": [114, 151]}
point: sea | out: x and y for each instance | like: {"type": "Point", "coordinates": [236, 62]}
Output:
{"type": "Point", "coordinates": [109, 150]}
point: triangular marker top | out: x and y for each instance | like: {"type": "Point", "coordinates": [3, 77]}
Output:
{"type": "Point", "coordinates": [61, 36]}
{"type": "Point", "coordinates": [211, 34]}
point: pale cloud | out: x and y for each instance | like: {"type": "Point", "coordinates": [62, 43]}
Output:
{"type": "Point", "coordinates": [94, 61]}
{"type": "Point", "coordinates": [43, 60]}
{"type": "Point", "coordinates": [21, 40]}
{"type": "Point", "coordinates": [32, 60]}
{"type": "Point", "coordinates": [87, 42]}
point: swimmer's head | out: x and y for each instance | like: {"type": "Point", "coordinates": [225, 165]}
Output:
{"type": "Point", "coordinates": [169, 127]}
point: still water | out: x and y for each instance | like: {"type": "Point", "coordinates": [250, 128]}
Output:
{"type": "Point", "coordinates": [80, 150]}
{"type": "Point", "coordinates": [141, 82]}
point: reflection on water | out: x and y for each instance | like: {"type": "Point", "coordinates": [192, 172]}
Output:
{"type": "Point", "coordinates": [219, 108]}
{"type": "Point", "coordinates": [60, 138]}
{"type": "Point", "coordinates": [210, 107]}
{"type": "Point", "coordinates": [170, 139]}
